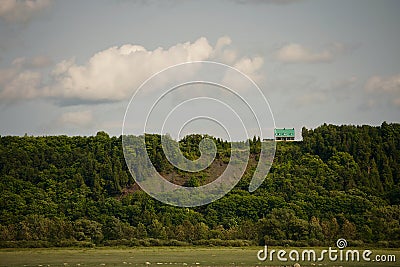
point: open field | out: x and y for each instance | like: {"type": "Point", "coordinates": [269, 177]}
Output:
{"type": "Point", "coordinates": [160, 256]}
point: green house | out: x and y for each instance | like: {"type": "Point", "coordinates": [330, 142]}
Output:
{"type": "Point", "coordinates": [284, 134]}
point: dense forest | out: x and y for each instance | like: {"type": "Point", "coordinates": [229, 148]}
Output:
{"type": "Point", "coordinates": [339, 182]}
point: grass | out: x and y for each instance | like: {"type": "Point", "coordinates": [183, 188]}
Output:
{"type": "Point", "coordinates": [159, 256]}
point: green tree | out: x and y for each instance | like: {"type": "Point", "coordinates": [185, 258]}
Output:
{"type": "Point", "coordinates": [346, 169]}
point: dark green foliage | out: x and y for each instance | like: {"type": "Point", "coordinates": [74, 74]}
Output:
{"type": "Point", "coordinates": [339, 182]}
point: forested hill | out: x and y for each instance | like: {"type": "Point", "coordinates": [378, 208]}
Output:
{"type": "Point", "coordinates": [339, 182]}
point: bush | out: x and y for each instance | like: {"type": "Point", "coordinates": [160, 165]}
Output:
{"type": "Point", "coordinates": [25, 244]}
{"type": "Point", "coordinates": [174, 242]}
{"type": "Point", "coordinates": [355, 243]}
{"type": "Point", "coordinates": [382, 244]}
{"type": "Point", "coordinates": [223, 243]}
{"type": "Point", "coordinates": [119, 242]}
{"type": "Point", "coordinates": [313, 242]}
{"type": "Point", "coordinates": [394, 244]}
{"type": "Point", "coordinates": [74, 243]}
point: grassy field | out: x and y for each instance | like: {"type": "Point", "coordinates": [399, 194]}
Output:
{"type": "Point", "coordinates": [160, 256]}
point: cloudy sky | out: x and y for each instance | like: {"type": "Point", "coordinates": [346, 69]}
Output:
{"type": "Point", "coordinates": [71, 67]}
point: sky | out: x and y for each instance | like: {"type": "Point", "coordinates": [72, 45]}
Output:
{"type": "Point", "coordinates": [72, 67]}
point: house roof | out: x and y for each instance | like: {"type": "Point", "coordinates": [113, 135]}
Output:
{"type": "Point", "coordinates": [284, 132]}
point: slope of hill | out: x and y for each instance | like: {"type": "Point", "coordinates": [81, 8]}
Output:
{"type": "Point", "coordinates": [340, 181]}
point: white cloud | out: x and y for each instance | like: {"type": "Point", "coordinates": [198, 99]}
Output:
{"type": "Point", "coordinates": [40, 62]}
{"type": "Point", "coordinates": [76, 118]}
{"type": "Point", "coordinates": [35, 62]}
{"type": "Point", "coordinates": [21, 82]}
{"type": "Point", "coordinates": [21, 10]}
{"type": "Point", "coordinates": [113, 74]}
{"type": "Point", "coordinates": [249, 65]}
{"type": "Point", "coordinates": [381, 84]}
{"type": "Point", "coordinates": [385, 88]}
{"type": "Point", "coordinates": [297, 53]}
{"type": "Point", "coordinates": [223, 52]}
{"type": "Point", "coordinates": [223, 42]}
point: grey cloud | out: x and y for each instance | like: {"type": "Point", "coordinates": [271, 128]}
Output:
{"type": "Point", "coordinates": [21, 11]}
{"type": "Point", "coordinates": [384, 89]}
{"type": "Point", "coordinates": [297, 53]}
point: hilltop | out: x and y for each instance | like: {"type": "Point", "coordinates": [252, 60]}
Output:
{"type": "Point", "coordinates": [340, 181]}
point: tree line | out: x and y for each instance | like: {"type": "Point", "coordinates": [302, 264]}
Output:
{"type": "Point", "coordinates": [339, 182]}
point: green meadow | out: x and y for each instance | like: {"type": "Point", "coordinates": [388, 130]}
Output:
{"type": "Point", "coordinates": [161, 256]}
